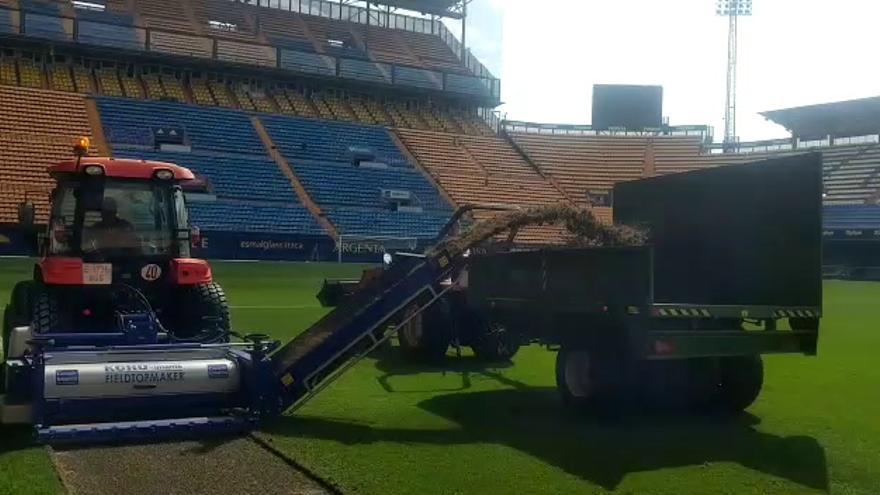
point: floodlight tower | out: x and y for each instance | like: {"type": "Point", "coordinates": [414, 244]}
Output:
{"type": "Point", "coordinates": [732, 9]}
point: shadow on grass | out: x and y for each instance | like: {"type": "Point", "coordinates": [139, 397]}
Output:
{"type": "Point", "coordinates": [393, 363]}
{"type": "Point", "coordinates": [601, 452]}
{"type": "Point", "coordinates": [13, 438]}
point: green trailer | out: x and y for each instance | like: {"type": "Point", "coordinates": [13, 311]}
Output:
{"type": "Point", "coordinates": [731, 271]}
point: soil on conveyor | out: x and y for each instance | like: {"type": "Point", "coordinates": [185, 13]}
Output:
{"type": "Point", "coordinates": [237, 465]}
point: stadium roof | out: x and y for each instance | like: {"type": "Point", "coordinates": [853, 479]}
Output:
{"type": "Point", "coordinates": [843, 118]}
{"type": "Point", "coordinates": [444, 8]}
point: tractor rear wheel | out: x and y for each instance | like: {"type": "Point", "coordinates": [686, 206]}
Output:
{"type": "Point", "coordinates": [591, 380]}
{"type": "Point", "coordinates": [496, 342]}
{"type": "Point", "coordinates": [425, 335]}
{"type": "Point", "coordinates": [18, 311]}
{"type": "Point", "coordinates": [202, 314]}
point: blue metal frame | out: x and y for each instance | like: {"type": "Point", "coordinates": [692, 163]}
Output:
{"type": "Point", "coordinates": [264, 390]}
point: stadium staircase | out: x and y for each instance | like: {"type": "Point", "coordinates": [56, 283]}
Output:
{"type": "Point", "coordinates": [288, 171]}
{"type": "Point", "coordinates": [528, 159]}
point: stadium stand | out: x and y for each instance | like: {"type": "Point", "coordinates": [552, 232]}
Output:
{"type": "Point", "coordinates": [108, 81]}
{"type": "Point", "coordinates": [131, 84]}
{"type": "Point", "coordinates": [60, 78]}
{"type": "Point", "coordinates": [37, 128]}
{"type": "Point", "coordinates": [581, 164]}
{"type": "Point", "coordinates": [252, 193]}
{"type": "Point", "coordinates": [201, 92]}
{"type": "Point", "coordinates": [480, 170]}
{"type": "Point", "coordinates": [30, 73]}
{"type": "Point", "coordinates": [237, 216]}
{"type": "Point", "coordinates": [119, 78]}
{"type": "Point", "coordinates": [82, 76]}
{"type": "Point", "coordinates": [8, 72]}
{"type": "Point", "coordinates": [851, 174]}
{"type": "Point", "coordinates": [130, 122]}
{"type": "Point", "coordinates": [321, 155]}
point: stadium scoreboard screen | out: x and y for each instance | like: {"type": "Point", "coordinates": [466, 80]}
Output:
{"type": "Point", "coordinates": [627, 106]}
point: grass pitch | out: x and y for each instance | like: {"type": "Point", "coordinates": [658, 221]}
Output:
{"type": "Point", "coordinates": [391, 427]}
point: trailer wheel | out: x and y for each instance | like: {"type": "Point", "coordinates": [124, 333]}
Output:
{"type": "Point", "coordinates": [496, 342]}
{"type": "Point", "coordinates": [738, 383]}
{"type": "Point", "coordinates": [591, 380]}
{"type": "Point", "coordinates": [426, 335]}
{"type": "Point", "coordinates": [202, 314]}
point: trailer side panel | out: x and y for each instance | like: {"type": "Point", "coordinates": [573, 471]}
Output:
{"type": "Point", "coordinates": [736, 235]}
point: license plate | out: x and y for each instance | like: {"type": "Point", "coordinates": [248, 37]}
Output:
{"type": "Point", "coordinates": [97, 273]}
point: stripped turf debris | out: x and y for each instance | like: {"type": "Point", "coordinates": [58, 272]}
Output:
{"type": "Point", "coordinates": [582, 228]}
{"type": "Point", "coordinates": [237, 465]}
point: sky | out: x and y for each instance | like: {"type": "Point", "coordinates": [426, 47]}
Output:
{"type": "Point", "coordinates": [549, 53]}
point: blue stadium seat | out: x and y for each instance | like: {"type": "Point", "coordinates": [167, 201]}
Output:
{"type": "Point", "coordinates": [240, 177]}
{"type": "Point", "coordinates": [360, 221]}
{"type": "Point", "coordinates": [342, 184]}
{"type": "Point", "coordinates": [130, 122]}
{"type": "Point", "coordinates": [320, 151]}
{"type": "Point", "coordinates": [851, 217]}
{"type": "Point", "coordinates": [330, 141]}
{"type": "Point", "coordinates": [253, 195]}
{"type": "Point", "coordinates": [234, 216]}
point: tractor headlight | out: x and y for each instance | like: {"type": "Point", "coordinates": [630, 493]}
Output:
{"type": "Point", "coordinates": [93, 170]}
{"type": "Point", "coordinates": [164, 174]}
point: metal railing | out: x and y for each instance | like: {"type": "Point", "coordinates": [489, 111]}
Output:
{"type": "Point", "coordinates": [704, 132]}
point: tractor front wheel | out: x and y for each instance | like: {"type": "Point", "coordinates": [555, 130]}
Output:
{"type": "Point", "coordinates": [16, 314]}
{"type": "Point", "coordinates": [45, 311]}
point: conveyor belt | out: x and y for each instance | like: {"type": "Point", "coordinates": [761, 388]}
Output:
{"type": "Point", "coordinates": [316, 356]}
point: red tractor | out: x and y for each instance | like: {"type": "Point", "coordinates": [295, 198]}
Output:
{"type": "Point", "coordinates": [118, 243]}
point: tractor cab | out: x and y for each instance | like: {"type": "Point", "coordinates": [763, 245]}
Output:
{"type": "Point", "coordinates": [116, 247]}
{"type": "Point", "coordinates": [106, 210]}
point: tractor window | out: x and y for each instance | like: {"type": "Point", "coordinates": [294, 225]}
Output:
{"type": "Point", "coordinates": [118, 219]}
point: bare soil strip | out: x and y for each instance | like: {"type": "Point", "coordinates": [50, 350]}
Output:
{"type": "Point", "coordinates": [237, 465]}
